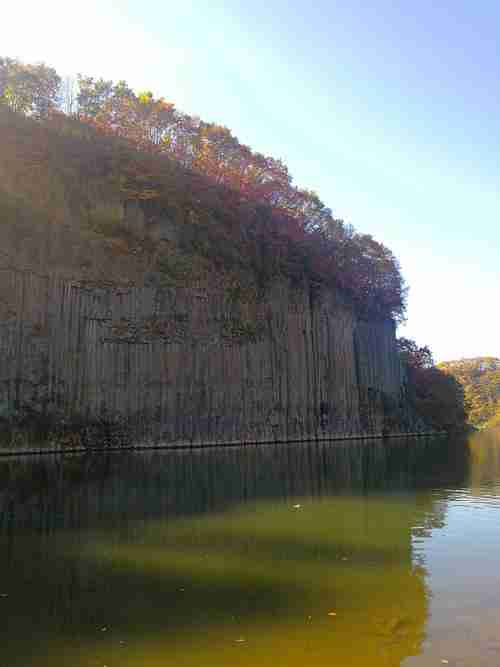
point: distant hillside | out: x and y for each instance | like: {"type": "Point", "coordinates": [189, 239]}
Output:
{"type": "Point", "coordinates": [480, 378]}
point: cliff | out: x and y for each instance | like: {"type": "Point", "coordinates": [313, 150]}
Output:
{"type": "Point", "coordinates": [116, 323]}
{"type": "Point", "coordinates": [194, 364]}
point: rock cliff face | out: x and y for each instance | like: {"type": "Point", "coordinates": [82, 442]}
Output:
{"type": "Point", "coordinates": [196, 364]}
{"type": "Point", "coordinates": [200, 363]}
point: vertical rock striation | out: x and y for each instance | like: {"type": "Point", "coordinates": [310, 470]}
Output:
{"type": "Point", "coordinates": [194, 364]}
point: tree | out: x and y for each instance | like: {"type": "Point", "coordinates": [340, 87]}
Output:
{"type": "Point", "coordinates": [4, 79]}
{"type": "Point", "coordinates": [92, 96]}
{"type": "Point", "coordinates": [306, 241]}
{"type": "Point", "coordinates": [414, 356]}
{"type": "Point", "coordinates": [440, 399]}
{"type": "Point", "coordinates": [437, 397]}
{"type": "Point", "coordinates": [29, 89]}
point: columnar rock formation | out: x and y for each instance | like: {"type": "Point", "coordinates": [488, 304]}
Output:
{"type": "Point", "coordinates": [196, 364]}
{"type": "Point", "coordinates": [139, 312]}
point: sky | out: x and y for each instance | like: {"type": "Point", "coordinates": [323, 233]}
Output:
{"type": "Point", "coordinates": [389, 110]}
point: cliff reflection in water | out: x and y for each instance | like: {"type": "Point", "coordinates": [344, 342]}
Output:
{"type": "Point", "coordinates": [220, 557]}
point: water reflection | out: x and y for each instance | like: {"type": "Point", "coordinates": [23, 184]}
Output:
{"type": "Point", "coordinates": [51, 493]}
{"type": "Point", "coordinates": [461, 558]}
{"type": "Point", "coordinates": [485, 456]}
{"type": "Point", "coordinates": [290, 554]}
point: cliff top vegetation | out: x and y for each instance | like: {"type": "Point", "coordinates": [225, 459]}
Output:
{"type": "Point", "coordinates": [480, 378]}
{"type": "Point", "coordinates": [74, 151]}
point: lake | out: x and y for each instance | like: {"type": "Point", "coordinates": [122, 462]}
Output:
{"type": "Point", "coordinates": [349, 553]}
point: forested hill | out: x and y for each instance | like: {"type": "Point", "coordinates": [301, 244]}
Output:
{"type": "Point", "coordinates": [480, 378]}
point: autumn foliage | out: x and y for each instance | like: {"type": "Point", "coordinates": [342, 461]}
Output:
{"type": "Point", "coordinates": [480, 378]}
{"type": "Point", "coordinates": [252, 213]}
{"type": "Point", "coordinates": [436, 395]}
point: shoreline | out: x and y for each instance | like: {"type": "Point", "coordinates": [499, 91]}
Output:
{"type": "Point", "coordinates": [187, 445]}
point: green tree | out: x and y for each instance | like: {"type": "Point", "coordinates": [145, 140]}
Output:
{"type": "Point", "coordinates": [414, 356]}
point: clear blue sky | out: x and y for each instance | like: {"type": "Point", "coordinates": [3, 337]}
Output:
{"type": "Point", "coordinates": [390, 111]}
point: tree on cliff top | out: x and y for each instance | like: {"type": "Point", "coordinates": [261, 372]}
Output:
{"type": "Point", "coordinates": [304, 233]}
{"type": "Point", "coordinates": [414, 356]}
{"type": "Point", "coordinates": [29, 89]}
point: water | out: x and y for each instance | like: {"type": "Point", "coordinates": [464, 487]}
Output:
{"type": "Point", "coordinates": [355, 554]}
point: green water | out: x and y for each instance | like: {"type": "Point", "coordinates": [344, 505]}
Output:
{"type": "Point", "coordinates": [343, 554]}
